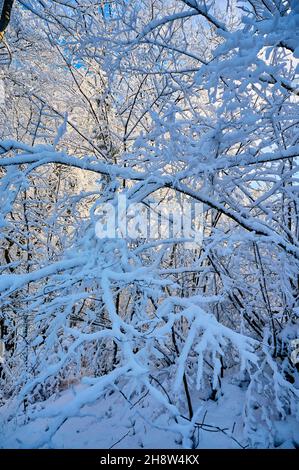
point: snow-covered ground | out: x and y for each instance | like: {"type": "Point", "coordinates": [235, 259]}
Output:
{"type": "Point", "coordinates": [111, 423]}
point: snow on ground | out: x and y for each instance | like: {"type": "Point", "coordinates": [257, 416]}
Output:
{"type": "Point", "coordinates": [111, 423]}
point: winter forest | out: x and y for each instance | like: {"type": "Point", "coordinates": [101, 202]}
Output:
{"type": "Point", "coordinates": [149, 224]}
